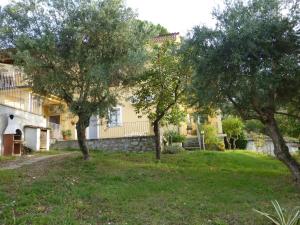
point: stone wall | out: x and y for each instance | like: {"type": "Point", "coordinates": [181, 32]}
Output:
{"type": "Point", "coordinates": [268, 147]}
{"type": "Point", "coordinates": [140, 143]}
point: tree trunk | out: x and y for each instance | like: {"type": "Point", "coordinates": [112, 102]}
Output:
{"type": "Point", "coordinates": [281, 150]}
{"type": "Point", "coordinates": [234, 143]}
{"type": "Point", "coordinates": [81, 126]}
{"type": "Point", "coordinates": [228, 143]}
{"type": "Point", "coordinates": [157, 139]}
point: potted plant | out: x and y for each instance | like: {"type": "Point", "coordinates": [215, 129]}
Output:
{"type": "Point", "coordinates": [66, 134]}
{"type": "Point", "coordinates": [175, 138]}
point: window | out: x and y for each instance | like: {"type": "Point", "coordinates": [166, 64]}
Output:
{"type": "Point", "coordinates": [115, 117]}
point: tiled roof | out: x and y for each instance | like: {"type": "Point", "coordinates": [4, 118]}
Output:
{"type": "Point", "coordinates": [4, 56]}
{"type": "Point", "coordinates": [170, 36]}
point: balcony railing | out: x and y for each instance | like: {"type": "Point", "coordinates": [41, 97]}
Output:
{"type": "Point", "coordinates": [131, 129]}
{"type": "Point", "coordinates": [13, 92]}
{"type": "Point", "coordinates": [11, 77]}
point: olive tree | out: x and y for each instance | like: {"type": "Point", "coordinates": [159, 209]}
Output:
{"type": "Point", "coordinates": [75, 50]}
{"type": "Point", "coordinates": [162, 86]}
{"type": "Point", "coordinates": [251, 60]}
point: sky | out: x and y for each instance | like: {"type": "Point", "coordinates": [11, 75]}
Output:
{"type": "Point", "coordinates": [176, 15]}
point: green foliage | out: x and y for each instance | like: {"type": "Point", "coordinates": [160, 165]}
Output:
{"type": "Point", "coordinates": [233, 127]}
{"type": "Point", "coordinates": [210, 133]}
{"type": "Point", "coordinates": [86, 48]}
{"type": "Point", "coordinates": [250, 60]}
{"type": "Point", "coordinates": [241, 143]}
{"type": "Point", "coordinates": [163, 84]}
{"type": "Point", "coordinates": [175, 116]}
{"type": "Point", "coordinates": [259, 139]}
{"type": "Point", "coordinates": [212, 142]}
{"type": "Point", "coordinates": [174, 137]}
{"type": "Point", "coordinates": [172, 149]}
{"type": "Point", "coordinates": [76, 50]}
{"type": "Point", "coordinates": [152, 29]}
{"type": "Point", "coordinates": [221, 146]}
{"type": "Point", "coordinates": [67, 133]}
{"type": "Point", "coordinates": [282, 217]}
{"type": "Point", "coordinates": [254, 126]}
{"type": "Point", "coordinates": [289, 126]}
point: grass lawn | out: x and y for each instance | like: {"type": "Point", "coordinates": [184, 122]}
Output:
{"type": "Point", "coordinates": [42, 153]}
{"type": "Point", "coordinates": [6, 158]}
{"type": "Point", "coordinates": [130, 188]}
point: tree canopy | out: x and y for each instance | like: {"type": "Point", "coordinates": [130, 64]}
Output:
{"type": "Point", "coordinates": [76, 50]}
{"type": "Point", "coordinates": [233, 127]}
{"type": "Point", "coordinates": [251, 61]}
{"type": "Point", "coordinates": [162, 86]}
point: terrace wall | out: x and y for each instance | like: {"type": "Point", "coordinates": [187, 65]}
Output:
{"type": "Point", "coordinates": [138, 143]}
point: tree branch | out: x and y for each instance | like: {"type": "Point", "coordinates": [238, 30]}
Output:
{"type": "Point", "coordinates": [288, 114]}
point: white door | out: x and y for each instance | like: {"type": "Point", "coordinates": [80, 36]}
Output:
{"type": "Point", "coordinates": [94, 128]}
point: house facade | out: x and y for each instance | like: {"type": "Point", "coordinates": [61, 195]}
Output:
{"type": "Point", "coordinates": [21, 113]}
{"type": "Point", "coordinates": [33, 114]}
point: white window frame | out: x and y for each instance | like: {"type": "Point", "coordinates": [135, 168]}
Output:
{"type": "Point", "coordinates": [120, 119]}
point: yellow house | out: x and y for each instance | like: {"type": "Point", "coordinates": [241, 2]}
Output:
{"type": "Point", "coordinates": [21, 112]}
{"type": "Point", "coordinates": [53, 113]}
{"type": "Point", "coordinates": [123, 119]}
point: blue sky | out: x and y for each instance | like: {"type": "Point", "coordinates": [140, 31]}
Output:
{"type": "Point", "coordinates": [176, 15]}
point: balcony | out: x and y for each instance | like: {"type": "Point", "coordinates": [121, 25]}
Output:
{"type": "Point", "coordinates": [15, 92]}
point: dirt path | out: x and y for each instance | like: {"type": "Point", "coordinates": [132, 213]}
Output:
{"type": "Point", "coordinates": [28, 160]}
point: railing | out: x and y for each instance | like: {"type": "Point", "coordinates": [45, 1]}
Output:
{"type": "Point", "coordinates": [131, 129]}
{"type": "Point", "coordinates": [55, 132]}
{"type": "Point", "coordinates": [11, 79]}
{"type": "Point", "coordinates": [12, 92]}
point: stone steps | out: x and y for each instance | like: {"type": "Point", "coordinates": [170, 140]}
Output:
{"type": "Point", "coordinates": [191, 143]}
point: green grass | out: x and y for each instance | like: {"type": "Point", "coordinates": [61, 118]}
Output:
{"type": "Point", "coordinates": [52, 152]}
{"type": "Point", "coordinates": [130, 188]}
{"type": "Point", "coordinates": [7, 158]}
{"type": "Point", "coordinates": [42, 153]}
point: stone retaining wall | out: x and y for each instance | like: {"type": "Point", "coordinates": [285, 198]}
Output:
{"type": "Point", "coordinates": [143, 143]}
{"type": "Point", "coordinates": [268, 146]}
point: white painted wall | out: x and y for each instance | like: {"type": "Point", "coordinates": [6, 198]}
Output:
{"type": "Point", "coordinates": [22, 118]}
{"type": "Point", "coordinates": [32, 138]}
{"type": "Point", "coordinates": [48, 141]}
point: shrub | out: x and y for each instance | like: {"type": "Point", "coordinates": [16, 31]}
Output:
{"type": "Point", "coordinates": [221, 146]}
{"type": "Point", "coordinates": [174, 137]}
{"type": "Point", "coordinates": [173, 149]}
{"type": "Point", "coordinates": [259, 139]}
{"type": "Point", "coordinates": [210, 134]}
{"type": "Point", "coordinates": [241, 143]}
{"type": "Point", "coordinates": [67, 133]}
{"type": "Point", "coordinates": [254, 126]}
{"type": "Point", "coordinates": [212, 142]}
{"type": "Point", "coordinates": [233, 127]}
